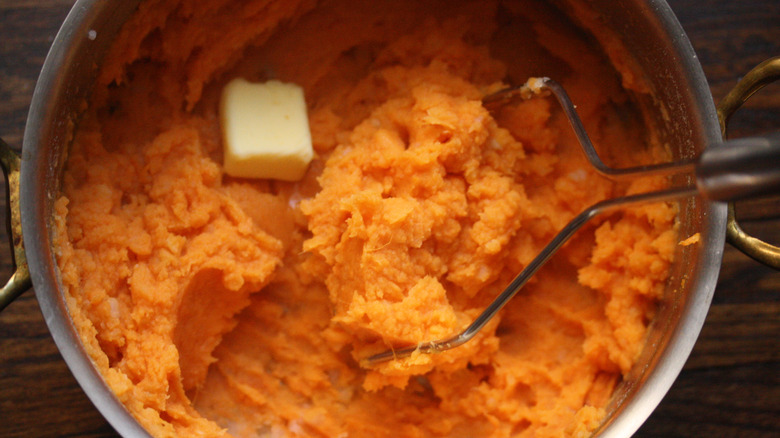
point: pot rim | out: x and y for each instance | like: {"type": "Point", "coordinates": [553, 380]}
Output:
{"type": "Point", "coordinates": [37, 207]}
{"type": "Point", "coordinates": [654, 386]}
{"type": "Point", "coordinates": [76, 30]}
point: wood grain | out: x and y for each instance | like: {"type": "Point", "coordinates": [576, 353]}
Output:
{"type": "Point", "coordinates": [730, 386]}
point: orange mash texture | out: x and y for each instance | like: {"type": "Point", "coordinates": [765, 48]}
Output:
{"type": "Point", "coordinates": [216, 306]}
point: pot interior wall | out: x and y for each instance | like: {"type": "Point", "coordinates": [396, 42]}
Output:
{"type": "Point", "coordinates": [681, 113]}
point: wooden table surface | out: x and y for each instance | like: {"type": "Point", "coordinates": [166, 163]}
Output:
{"type": "Point", "coordinates": [730, 386]}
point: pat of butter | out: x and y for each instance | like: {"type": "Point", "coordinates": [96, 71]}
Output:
{"type": "Point", "coordinates": [265, 130]}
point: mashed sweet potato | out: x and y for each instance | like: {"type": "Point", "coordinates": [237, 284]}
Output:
{"type": "Point", "coordinates": [216, 306]}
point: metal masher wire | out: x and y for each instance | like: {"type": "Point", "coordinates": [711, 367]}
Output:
{"type": "Point", "coordinates": [535, 87]}
{"type": "Point", "coordinates": [514, 287]}
{"type": "Point", "coordinates": [751, 168]}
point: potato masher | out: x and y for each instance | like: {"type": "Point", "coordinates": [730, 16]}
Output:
{"type": "Point", "coordinates": [733, 169]}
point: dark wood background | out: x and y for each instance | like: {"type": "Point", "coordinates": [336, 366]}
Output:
{"type": "Point", "coordinates": [730, 386]}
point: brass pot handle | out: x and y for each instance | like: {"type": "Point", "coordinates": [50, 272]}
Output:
{"type": "Point", "coordinates": [20, 280]}
{"type": "Point", "coordinates": [762, 75]}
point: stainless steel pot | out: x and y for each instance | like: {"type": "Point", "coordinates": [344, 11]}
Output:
{"type": "Point", "coordinates": [648, 29]}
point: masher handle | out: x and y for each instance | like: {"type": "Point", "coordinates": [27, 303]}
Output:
{"type": "Point", "coordinates": [740, 168]}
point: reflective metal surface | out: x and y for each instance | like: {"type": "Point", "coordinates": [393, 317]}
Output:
{"type": "Point", "coordinates": [647, 29]}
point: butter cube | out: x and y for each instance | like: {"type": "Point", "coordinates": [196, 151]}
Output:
{"type": "Point", "coordinates": [265, 130]}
